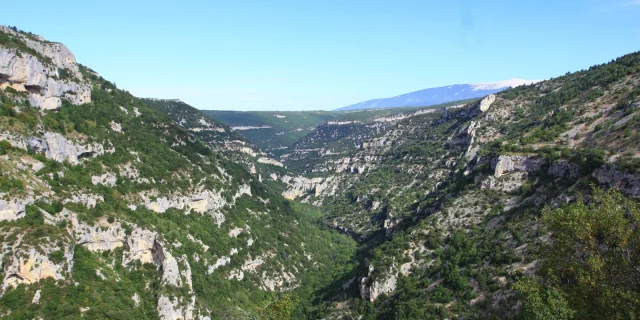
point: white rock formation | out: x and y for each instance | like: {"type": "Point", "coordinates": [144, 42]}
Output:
{"type": "Point", "coordinates": [241, 128]}
{"type": "Point", "coordinates": [115, 126]}
{"type": "Point", "coordinates": [486, 102]}
{"type": "Point", "coordinates": [237, 274]}
{"type": "Point", "coordinates": [472, 150]}
{"type": "Point", "coordinates": [175, 308]}
{"type": "Point", "coordinates": [279, 280]}
{"type": "Point", "coordinates": [140, 244]}
{"type": "Point", "coordinates": [235, 232]}
{"type": "Point", "coordinates": [103, 236]}
{"type": "Point", "coordinates": [371, 289]}
{"type": "Point", "coordinates": [300, 185]}
{"type": "Point", "coordinates": [87, 199]}
{"type": "Point", "coordinates": [170, 269]}
{"type": "Point", "coordinates": [136, 299]}
{"type": "Point", "coordinates": [205, 201]}
{"type": "Point", "coordinates": [219, 263]}
{"type": "Point", "coordinates": [13, 209]}
{"type": "Point", "coordinates": [107, 179]}
{"type": "Point", "coordinates": [36, 298]}
{"type": "Point", "coordinates": [505, 164]}
{"type": "Point", "coordinates": [29, 265]}
{"type": "Point", "coordinates": [57, 147]}
{"type": "Point", "coordinates": [25, 72]}
{"type": "Point", "coordinates": [270, 161]}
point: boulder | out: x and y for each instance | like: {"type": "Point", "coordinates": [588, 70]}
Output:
{"type": "Point", "coordinates": [486, 102]}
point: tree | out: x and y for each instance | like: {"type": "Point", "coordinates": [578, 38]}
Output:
{"type": "Point", "coordinates": [280, 309]}
{"type": "Point", "coordinates": [542, 303]}
{"type": "Point", "coordinates": [595, 255]}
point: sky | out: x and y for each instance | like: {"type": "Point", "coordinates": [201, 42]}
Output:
{"type": "Point", "coordinates": [311, 55]}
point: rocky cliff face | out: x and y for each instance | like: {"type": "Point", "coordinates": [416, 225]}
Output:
{"type": "Point", "coordinates": [481, 172]}
{"type": "Point", "coordinates": [628, 182]}
{"type": "Point", "coordinates": [372, 288]}
{"type": "Point", "coordinates": [155, 221]}
{"type": "Point", "coordinates": [219, 137]}
{"type": "Point", "coordinates": [47, 82]}
{"type": "Point", "coordinates": [174, 221]}
{"type": "Point", "coordinates": [506, 164]}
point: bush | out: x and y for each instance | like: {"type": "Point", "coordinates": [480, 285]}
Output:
{"type": "Point", "coordinates": [595, 252]}
{"type": "Point", "coordinates": [542, 302]}
{"type": "Point", "coordinates": [441, 295]}
{"type": "Point", "coordinates": [5, 146]}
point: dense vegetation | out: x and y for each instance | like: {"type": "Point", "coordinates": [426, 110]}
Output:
{"type": "Point", "coordinates": [591, 265]}
{"type": "Point", "coordinates": [477, 244]}
{"type": "Point", "coordinates": [282, 128]}
{"type": "Point", "coordinates": [166, 160]}
{"type": "Point", "coordinates": [455, 213]}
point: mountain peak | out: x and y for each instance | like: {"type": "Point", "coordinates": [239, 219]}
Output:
{"type": "Point", "coordinates": [514, 82]}
{"type": "Point", "coordinates": [439, 95]}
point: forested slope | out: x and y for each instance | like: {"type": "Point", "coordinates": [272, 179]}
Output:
{"type": "Point", "coordinates": [449, 206]}
{"type": "Point", "coordinates": [108, 209]}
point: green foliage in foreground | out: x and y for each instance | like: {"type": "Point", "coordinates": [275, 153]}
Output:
{"type": "Point", "coordinates": [593, 261]}
{"type": "Point", "coordinates": [280, 309]}
{"type": "Point", "coordinates": [542, 302]}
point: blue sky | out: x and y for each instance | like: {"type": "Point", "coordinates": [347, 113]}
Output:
{"type": "Point", "coordinates": [308, 55]}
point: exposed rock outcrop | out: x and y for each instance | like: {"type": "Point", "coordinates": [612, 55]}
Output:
{"type": "Point", "coordinates": [13, 209]}
{"type": "Point", "coordinates": [299, 186]}
{"type": "Point", "coordinates": [219, 263]}
{"type": "Point", "coordinates": [204, 201]}
{"type": "Point", "coordinates": [24, 72]}
{"type": "Point", "coordinates": [30, 263]}
{"type": "Point", "coordinates": [176, 308]}
{"type": "Point", "coordinates": [107, 179]}
{"type": "Point", "coordinates": [472, 150]}
{"type": "Point", "coordinates": [628, 183]}
{"type": "Point", "coordinates": [176, 272]}
{"type": "Point", "coordinates": [36, 298]}
{"type": "Point", "coordinates": [103, 236]}
{"type": "Point", "coordinates": [371, 288]}
{"type": "Point", "coordinates": [486, 103]}
{"type": "Point", "coordinates": [505, 164]}
{"type": "Point", "coordinates": [564, 168]}
{"type": "Point", "coordinates": [270, 161]}
{"type": "Point", "coordinates": [49, 81]}
{"type": "Point", "coordinates": [55, 146]}
{"type": "Point", "coordinates": [87, 199]}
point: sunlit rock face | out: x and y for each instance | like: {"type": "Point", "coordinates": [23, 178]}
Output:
{"type": "Point", "coordinates": [48, 79]}
{"type": "Point", "coordinates": [506, 164]}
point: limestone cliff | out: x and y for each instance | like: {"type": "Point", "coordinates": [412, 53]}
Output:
{"type": "Point", "coordinates": [47, 82]}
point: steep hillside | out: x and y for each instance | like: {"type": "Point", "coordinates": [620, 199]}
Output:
{"type": "Point", "coordinates": [447, 205]}
{"type": "Point", "coordinates": [276, 132]}
{"type": "Point", "coordinates": [109, 209]}
{"type": "Point", "coordinates": [220, 137]}
{"type": "Point", "coordinates": [439, 95]}
{"type": "Point", "coordinates": [518, 205]}
{"type": "Point", "coordinates": [272, 131]}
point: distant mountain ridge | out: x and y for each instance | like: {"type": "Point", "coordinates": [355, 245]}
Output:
{"type": "Point", "coordinates": [439, 95]}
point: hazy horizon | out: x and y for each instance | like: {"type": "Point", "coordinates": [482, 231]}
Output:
{"type": "Point", "coordinates": [300, 56]}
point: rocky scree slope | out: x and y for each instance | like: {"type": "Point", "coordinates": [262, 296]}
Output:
{"type": "Point", "coordinates": [108, 209]}
{"type": "Point", "coordinates": [446, 205]}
